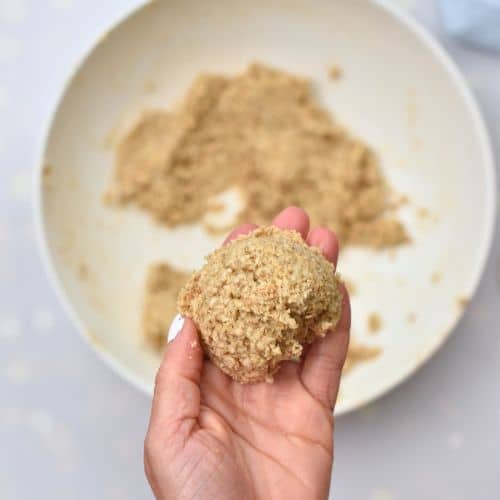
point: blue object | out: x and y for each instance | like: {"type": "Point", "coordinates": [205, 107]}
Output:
{"type": "Point", "coordinates": [473, 21]}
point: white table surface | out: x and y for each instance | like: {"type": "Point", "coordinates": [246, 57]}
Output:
{"type": "Point", "coordinates": [71, 429]}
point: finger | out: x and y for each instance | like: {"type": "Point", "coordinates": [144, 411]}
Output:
{"type": "Point", "coordinates": [293, 218]}
{"type": "Point", "coordinates": [326, 241]}
{"type": "Point", "coordinates": [176, 399]}
{"type": "Point", "coordinates": [323, 363]}
{"type": "Point", "coordinates": [243, 229]}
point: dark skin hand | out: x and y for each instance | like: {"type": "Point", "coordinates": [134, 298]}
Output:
{"type": "Point", "coordinates": [212, 438]}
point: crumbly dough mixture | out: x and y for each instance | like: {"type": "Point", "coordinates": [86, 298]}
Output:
{"type": "Point", "coordinates": [374, 323]}
{"type": "Point", "coordinates": [258, 300]}
{"type": "Point", "coordinates": [359, 353]}
{"type": "Point", "coordinates": [160, 304]}
{"type": "Point", "coordinates": [264, 133]}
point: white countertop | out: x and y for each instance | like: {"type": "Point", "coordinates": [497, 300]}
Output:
{"type": "Point", "coordinates": [71, 429]}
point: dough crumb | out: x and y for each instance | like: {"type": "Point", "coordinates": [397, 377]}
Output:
{"type": "Point", "coordinates": [411, 318]}
{"type": "Point", "coordinates": [264, 134]}
{"type": "Point", "coordinates": [399, 201]}
{"type": "Point", "coordinates": [374, 323]}
{"type": "Point", "coordinates": [259, 299]}
{"type": "Point", "coordinates": [335, 72]}
{"type": "Point", "coordinates": [423, 213]}
{"type": "Point", "coordinates": [83, 271]}
{"type": "Point", "coordinates": [47, 170]}
{"type": "Point", "coordinates": [436, 277]}
{"type": "Point", "coordinates": [351, 287]}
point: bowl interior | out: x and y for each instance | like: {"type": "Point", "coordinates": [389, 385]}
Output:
{"type": "Point", "coordinates": [397, 93]}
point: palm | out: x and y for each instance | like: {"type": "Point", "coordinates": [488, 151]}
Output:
{"type": "Point", "coordinates": [277, 436]}
{"type": "Point", "coordinates": [210, 437]}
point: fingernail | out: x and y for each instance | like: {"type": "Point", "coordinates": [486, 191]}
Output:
{"type": "Point", "coordinates": [175, 327]}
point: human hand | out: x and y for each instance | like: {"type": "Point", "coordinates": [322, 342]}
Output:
{"type": "Point", "coordinates": [212, 438]}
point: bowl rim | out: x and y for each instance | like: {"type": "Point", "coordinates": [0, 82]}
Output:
{"type": "Point", "coordinates": [484, 246]}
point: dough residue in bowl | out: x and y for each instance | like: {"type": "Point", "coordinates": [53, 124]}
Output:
{"type": "Point", "coordinates": [160, 302]}
{"type": "Point", "coordinates": [359, 353]}
{"type": "Point", "coordinates": [263, 134]}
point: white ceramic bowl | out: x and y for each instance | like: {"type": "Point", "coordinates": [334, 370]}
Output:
{"type": "Point", "coordinates": [400, 93]}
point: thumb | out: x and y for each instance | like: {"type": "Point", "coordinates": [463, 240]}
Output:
{"type": "Point", "coordinates": [176, 400]}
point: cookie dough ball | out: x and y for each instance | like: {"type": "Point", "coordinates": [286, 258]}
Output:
{"type": "Point", "coordinates": [258, 300]}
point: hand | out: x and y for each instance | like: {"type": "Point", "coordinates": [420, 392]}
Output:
{"type": "Point", "coordinates": [212, 438]}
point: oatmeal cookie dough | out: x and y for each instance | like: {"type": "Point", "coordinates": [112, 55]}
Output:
{"type": "Point", "coordinates": [359, 353]}
{"type": "Point", "coordinates": [160, 302]}
{"type": "Point", "coordinates": [258, 300]}
{"type": "Point", "coordinates": [264, 134]}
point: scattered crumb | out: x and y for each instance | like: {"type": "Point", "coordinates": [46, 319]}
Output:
{"type": "Point", "coordinates": [411, 318]}
{"type": "Point", "coordinates": [436, 277]}
{"type": "Point", "coordinates": [94, 340]}
{"type": "Point", "coordinates": [107, 198]}
{"type": "Point", "coordinates": [47, 170]}
{"type": "Point", "coordinates": [404, 200]}
{"type": "Point", "coordinates": [335, 72]}
{"type": "Point", "coordinates": [462, 302]}
{"type": "Point", "coordinates": [264, 134]}
{"type": "Point", "coordinates": [83, 271]}
{"type": "Point", "coordinates": [351, 287]}
{"type": "Point", "coordinates": [359, 353]}
{"type": "Point", "coordinates": [374, 323]}
{"type": "Point", "coordinates": [398, 201]}
{"type": "Point", "coordinates": [423, 213]}
{"type": "Point", "coordinates": [160, 302]}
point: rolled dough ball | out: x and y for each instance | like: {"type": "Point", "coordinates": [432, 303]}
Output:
{"type": "Point", "coordinates": [259, 299]}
